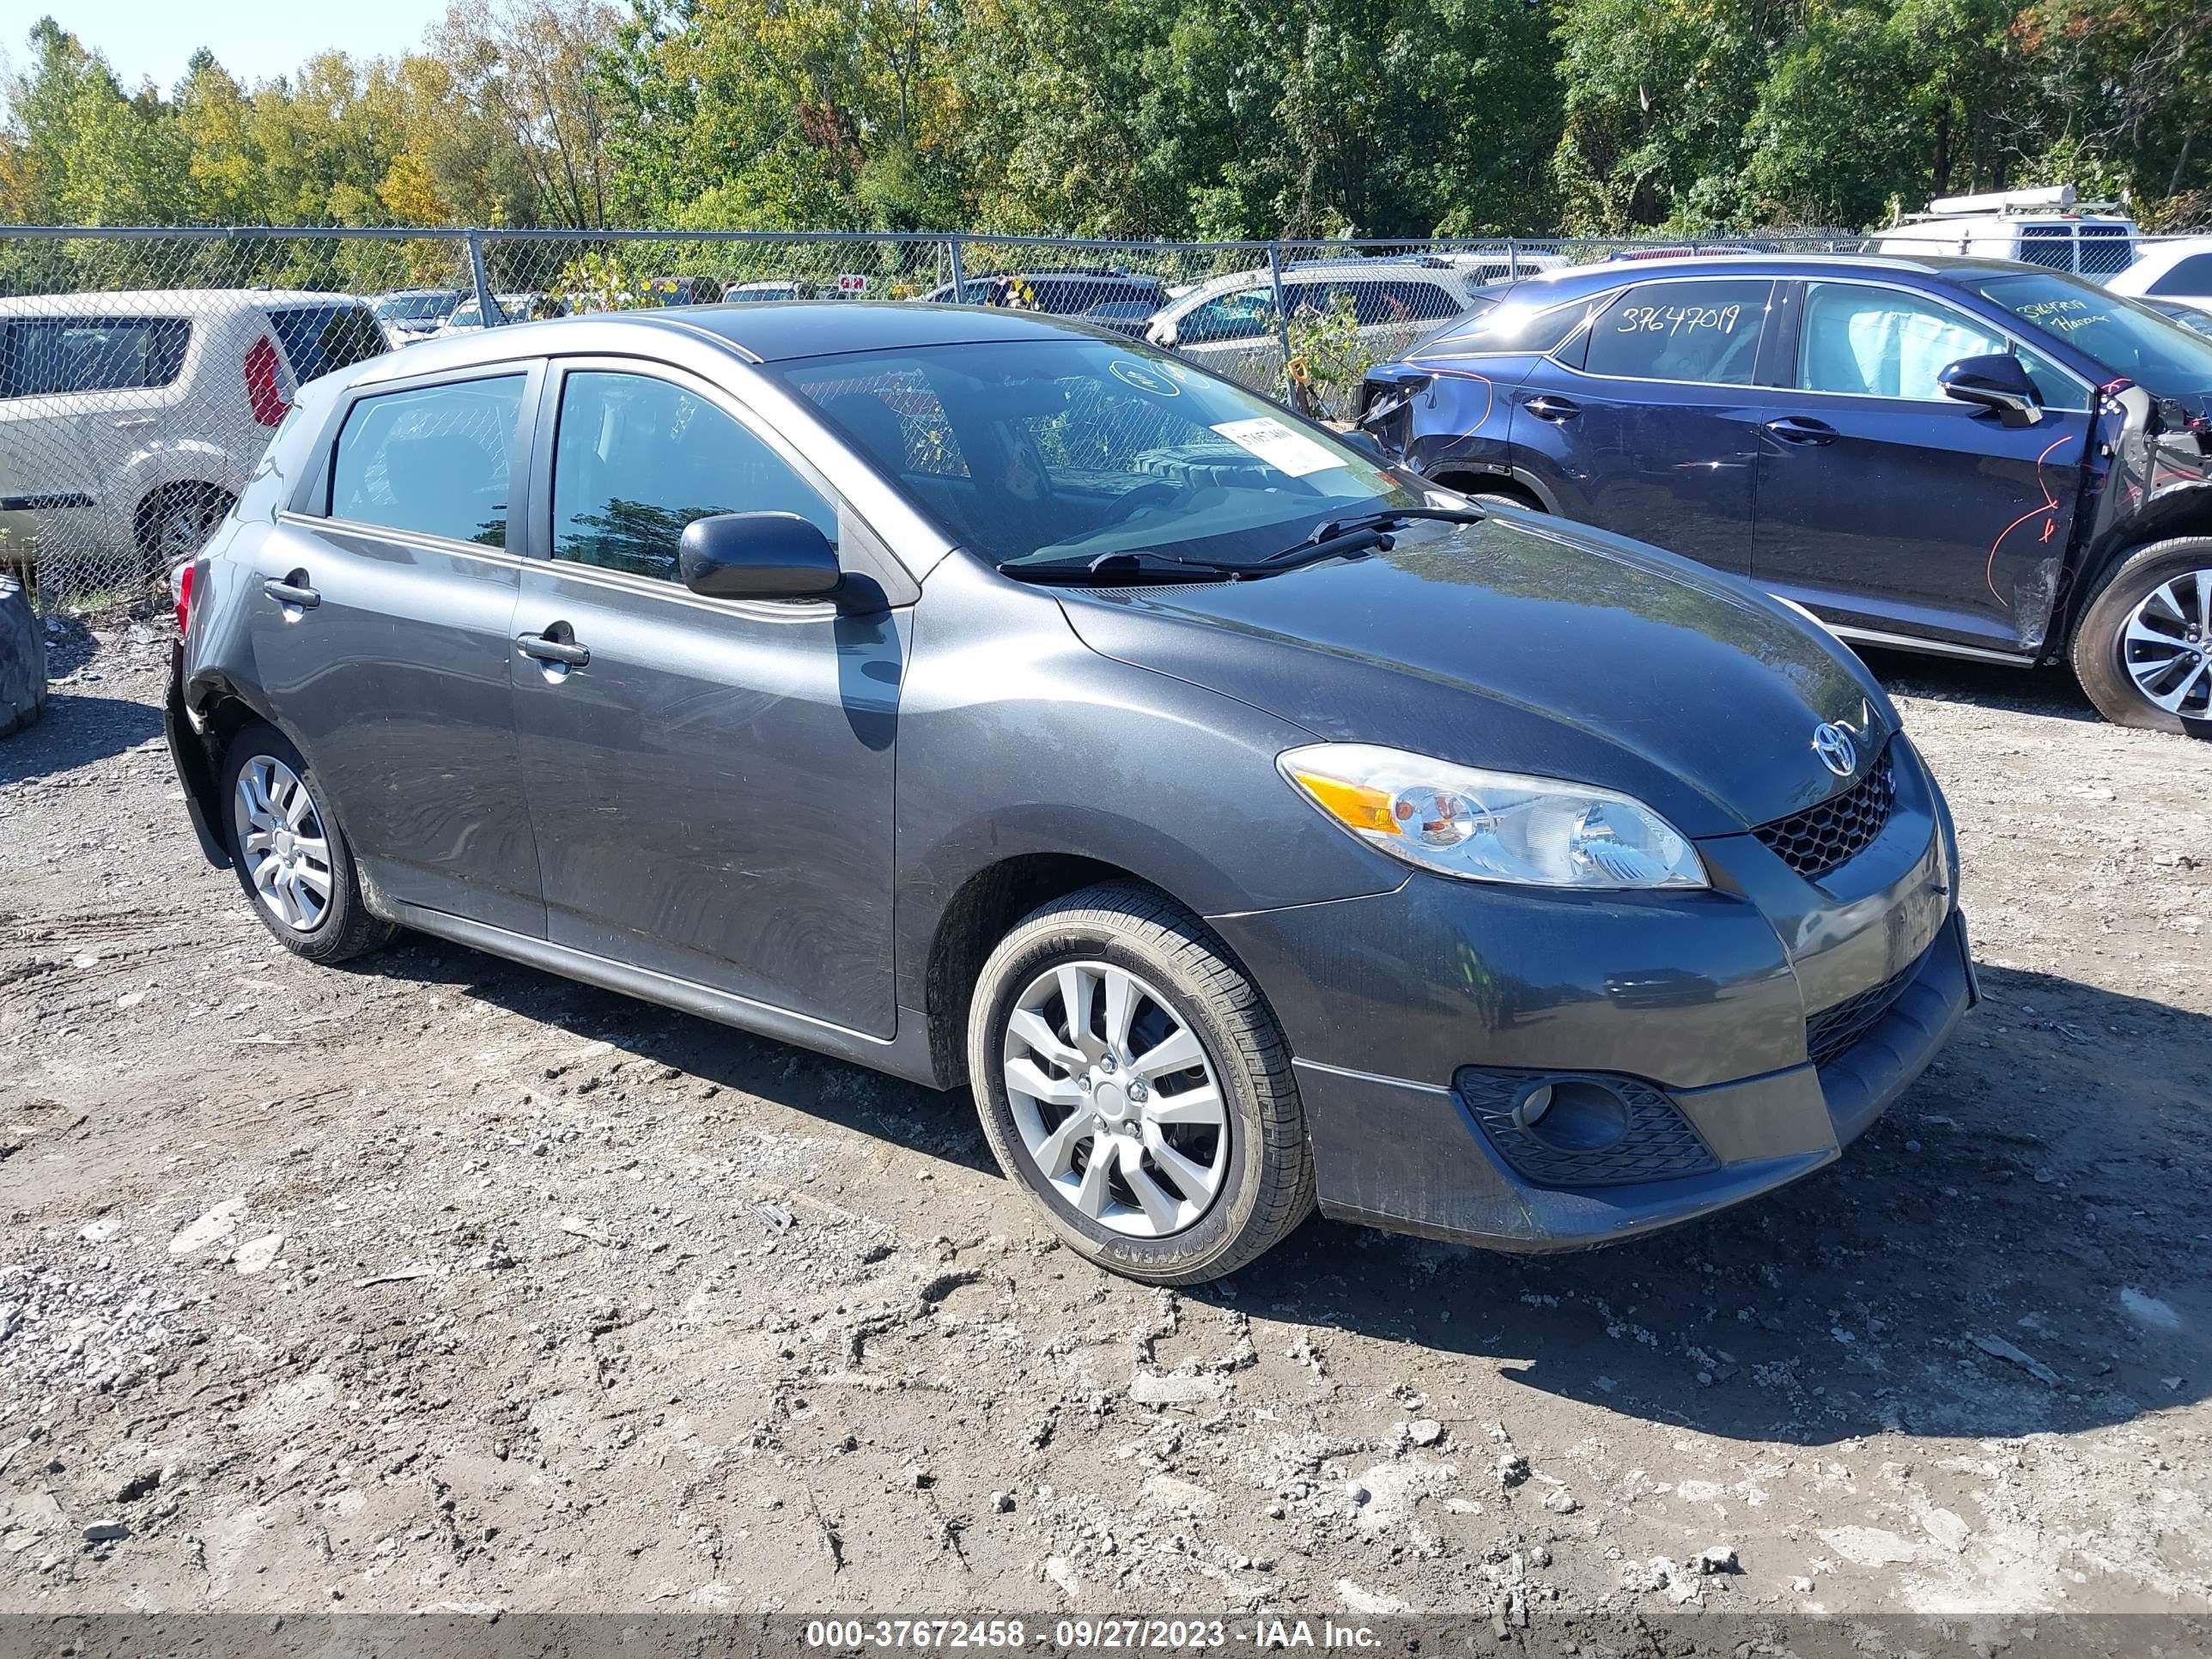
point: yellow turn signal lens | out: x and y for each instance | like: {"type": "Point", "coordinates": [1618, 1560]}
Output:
{"type": "Point", "coordinates": [1357, 805]}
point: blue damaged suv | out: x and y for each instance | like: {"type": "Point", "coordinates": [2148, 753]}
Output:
{"type": "Point", "coordinates": [1971, 456]}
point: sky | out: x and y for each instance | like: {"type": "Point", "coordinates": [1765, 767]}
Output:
{"type": "Point", "coordinates": [254, 40]}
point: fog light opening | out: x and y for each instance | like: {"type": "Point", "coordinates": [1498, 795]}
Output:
{"type": "Point", "coordinates": [1576, 1115]}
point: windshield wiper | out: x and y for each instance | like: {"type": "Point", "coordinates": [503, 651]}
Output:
{"type": "Point", "coordinates": [1142, 564]}
{"type": "Point", "coordinates": [1335, 538]}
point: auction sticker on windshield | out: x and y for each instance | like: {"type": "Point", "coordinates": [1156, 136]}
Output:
{"type": "Point", "coordinates": [1277, 445]}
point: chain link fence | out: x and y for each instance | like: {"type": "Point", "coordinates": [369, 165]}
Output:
{"type": "Point", "coordinates": [144, 371]}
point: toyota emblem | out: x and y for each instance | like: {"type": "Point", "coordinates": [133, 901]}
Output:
{"type": "Point", "coordinates": [1833, 745]}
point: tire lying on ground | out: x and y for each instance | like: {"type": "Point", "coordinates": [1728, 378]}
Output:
{"type": "Point", "coordinates": [22, 658]}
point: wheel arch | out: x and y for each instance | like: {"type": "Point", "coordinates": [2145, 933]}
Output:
{"type": "Point", "coordinates": [987, 906]}
{"type": "Point", "coordinates": [2183, 513]}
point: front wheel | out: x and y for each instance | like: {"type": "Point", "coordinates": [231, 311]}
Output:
{"type": "Point", "coordinates": [2144, 647]}
{"type": "Point", "coordinates": [1135, 1082]}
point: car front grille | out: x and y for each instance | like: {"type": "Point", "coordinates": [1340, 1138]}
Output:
{"type": "Point", "coordinates": [1835, 1030]}
{"type": "Point", "coordinates": [1818, 839]}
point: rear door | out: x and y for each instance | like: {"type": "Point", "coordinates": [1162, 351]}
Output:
{"type": "Point", "coordinates": [1884, 505]}
{"type": "Point", "coordinates": [1646, 422]}
{"type": "Point", "coordinates": [382, 607]}
{"type": "Point", "coordinates": [710, 779]}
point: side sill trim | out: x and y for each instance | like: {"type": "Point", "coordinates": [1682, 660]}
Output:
{"type": "Point", "coordinates": [906, 1054]}
{"type": "Point", "coordinates": [1928, 648]}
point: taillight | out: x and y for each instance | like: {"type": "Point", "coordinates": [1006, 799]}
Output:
{"type": "Point", "coordinates": [183, 583]}
{"type": "Point", "coordinates": [263, 390]}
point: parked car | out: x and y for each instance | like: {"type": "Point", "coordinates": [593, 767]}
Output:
{"type": "Point", "coordinates": [2198, 319]}
{"type": "Point", "coordinates": [2179, 270]}
{"type": "Point", "coordinates": [770, 289]}
{"type": "Point", "coordinates": [2036, 227]}
{"type": "Point", "coordinates": [408, 315]}
{"type": "Point", "coordinates": [1059, 292]}
{"type": "Point", "coordinates": [1231, 321]}
{"type": "Point", "coordinates": [517, 305]}
{"type": "Point", "coordinates": [130, 420]}
{"type": "Point", "coordinates": [1972, 457]}
{"type": "Point", "coordinates": [977, 698]}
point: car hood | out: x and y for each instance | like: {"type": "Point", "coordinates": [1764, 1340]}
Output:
{"type": "Point", "coordinates": [1526, 645]}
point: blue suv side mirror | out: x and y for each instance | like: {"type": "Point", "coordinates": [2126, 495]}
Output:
{"type": "Point", "coordinates": [1994, 382]}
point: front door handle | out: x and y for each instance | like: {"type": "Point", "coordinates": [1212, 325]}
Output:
{"type": "Point", "coordinates": [1545, 407]}
{"type": "Point", "coordinates": [552, 650]}
{"type": "Point", "coordinates": [292, 590]}
{"type": "Point", "coordinates": [1797, 429]}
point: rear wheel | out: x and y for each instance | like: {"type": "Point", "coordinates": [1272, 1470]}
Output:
{"type": "Point", "coordinates": [176, 521]}
{"type": "Point", "coordinates": [291, 857]}
{"type": "Point", "coordinates": [2144, 647]}
{"type": "Point", "coordinates": [1134, 1080]}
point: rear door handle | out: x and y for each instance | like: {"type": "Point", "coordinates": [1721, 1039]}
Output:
{"type": "Point", "coordinates": [292, 590]}
{"type": "Point", "coordinates": [548, 650]}
{"type": "Point", "coordinates": [1797, 429]}
{"type": "Point", "coordinates": [1545, 407]}
{"type": "Point", "coordinates": [124, 423]}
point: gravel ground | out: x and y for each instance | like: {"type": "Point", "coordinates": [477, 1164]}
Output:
{"type": "Point", "coordinates": [437, 1282]}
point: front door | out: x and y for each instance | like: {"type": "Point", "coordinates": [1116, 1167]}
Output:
{"type": "Point", "coordinates": [1884, 505]}
{"type": "Point", "coordinates": [1645, 424]}
{"type": "Point", "coordinates": [710, 779]}
{"type": "Point", "coordinates": [381, 621]}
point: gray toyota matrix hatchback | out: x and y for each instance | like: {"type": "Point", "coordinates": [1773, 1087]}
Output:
{"type": "Point", "coordinates": [991, 700]}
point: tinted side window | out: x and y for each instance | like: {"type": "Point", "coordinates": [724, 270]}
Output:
{"type": "Point", "coordinates": [2047, 245]}
{"type": "Point", "coordinates": [433, 460]}
{"type": "Point", "coordinates": [319, 338]}
{"type": "Point", "coordinates": [1883, 343]}
{"type": "Point", "coordinates": [44, 356]}
{"type": "Point", "coordinates": [636, 460]}
{"type": "Point", "coordinates": [1400, 302]}
{"type": "Point", "coordinates": [2192, 275]}
{"type": "Point", "coordinates": [1706, 332]}
{"type": "Point", "coordinates": [1244, 316]}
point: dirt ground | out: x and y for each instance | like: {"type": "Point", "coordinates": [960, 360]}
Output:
{"type": "Point", "coordinates": [438, 1283]}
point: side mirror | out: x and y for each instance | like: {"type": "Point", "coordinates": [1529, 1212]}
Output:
{"type": "Point", "coordinates": [1996, 382]}
{"type": "Point", "coordinates": [757, 555]}
{"type": "Point", "coordinates": [1165, 336]}
{"type": "Point", "coordinates": [1366, 443]}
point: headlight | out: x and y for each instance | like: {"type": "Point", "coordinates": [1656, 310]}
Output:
{"type": "Point", "coordinates": [1492, 826]}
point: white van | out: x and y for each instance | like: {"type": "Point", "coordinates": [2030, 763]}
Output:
{"type": "Point", "coordinates": [2039, 227]}
{"type": "Point", "coordinates": [128, 422]}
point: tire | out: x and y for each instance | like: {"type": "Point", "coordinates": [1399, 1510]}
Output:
{"type": "Point", "coordinates": [1181, 989]}
{"type": "Point", "coordinates": [340, 925]}
{"type": "Point", "coordinates": [175, 521]}
{"type": "Point", "coordinates": [2170, 584]}
{"type": "Point", "coordinates": [22, 658]}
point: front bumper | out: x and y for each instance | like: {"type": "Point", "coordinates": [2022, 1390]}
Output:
{"type": "Point", "coordinates": [1404, 1008]}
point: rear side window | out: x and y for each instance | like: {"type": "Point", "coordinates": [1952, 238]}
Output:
{"type": "Point", "coordinates": [2192, 276]}
{"type": "Point", "coordinates": [2047, 245]}
{"type": "Point", "coordinates": [433, 460]}
{"type": "Point", "coordinates": [1400, 302]}
{"type": "Point", "coordinates": [1705, 333]}
{"type": "Point", "coordinates": [317, 339]}
{"type": "Point", "coordinates": [44, 356]}
{"type": "Point", "coordinates": [638, 459]}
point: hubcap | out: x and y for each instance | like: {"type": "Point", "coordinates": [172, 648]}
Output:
{"type": "Point", "coordinates": [2164, 645]}
{"type": "Point", "coordinates": [281, 839]}
{"type": "Point", "coordinates": [1117, 1104]}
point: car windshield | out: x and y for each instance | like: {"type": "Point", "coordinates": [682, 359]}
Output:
{"type": "Point", "coordinates": [1056, 451]}
{"type": "Point", "coordinates": [416, 307]}
{"type": "Point", "coordinates": [2155, 352]}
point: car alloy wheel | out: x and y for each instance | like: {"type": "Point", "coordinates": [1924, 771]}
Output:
{"type": "Point", "coordinates": [2165, 646]}
{"type": "Point", "coordinates": [1116, 1100]}
{"type": "Point", "coordinates": [282, 842]}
